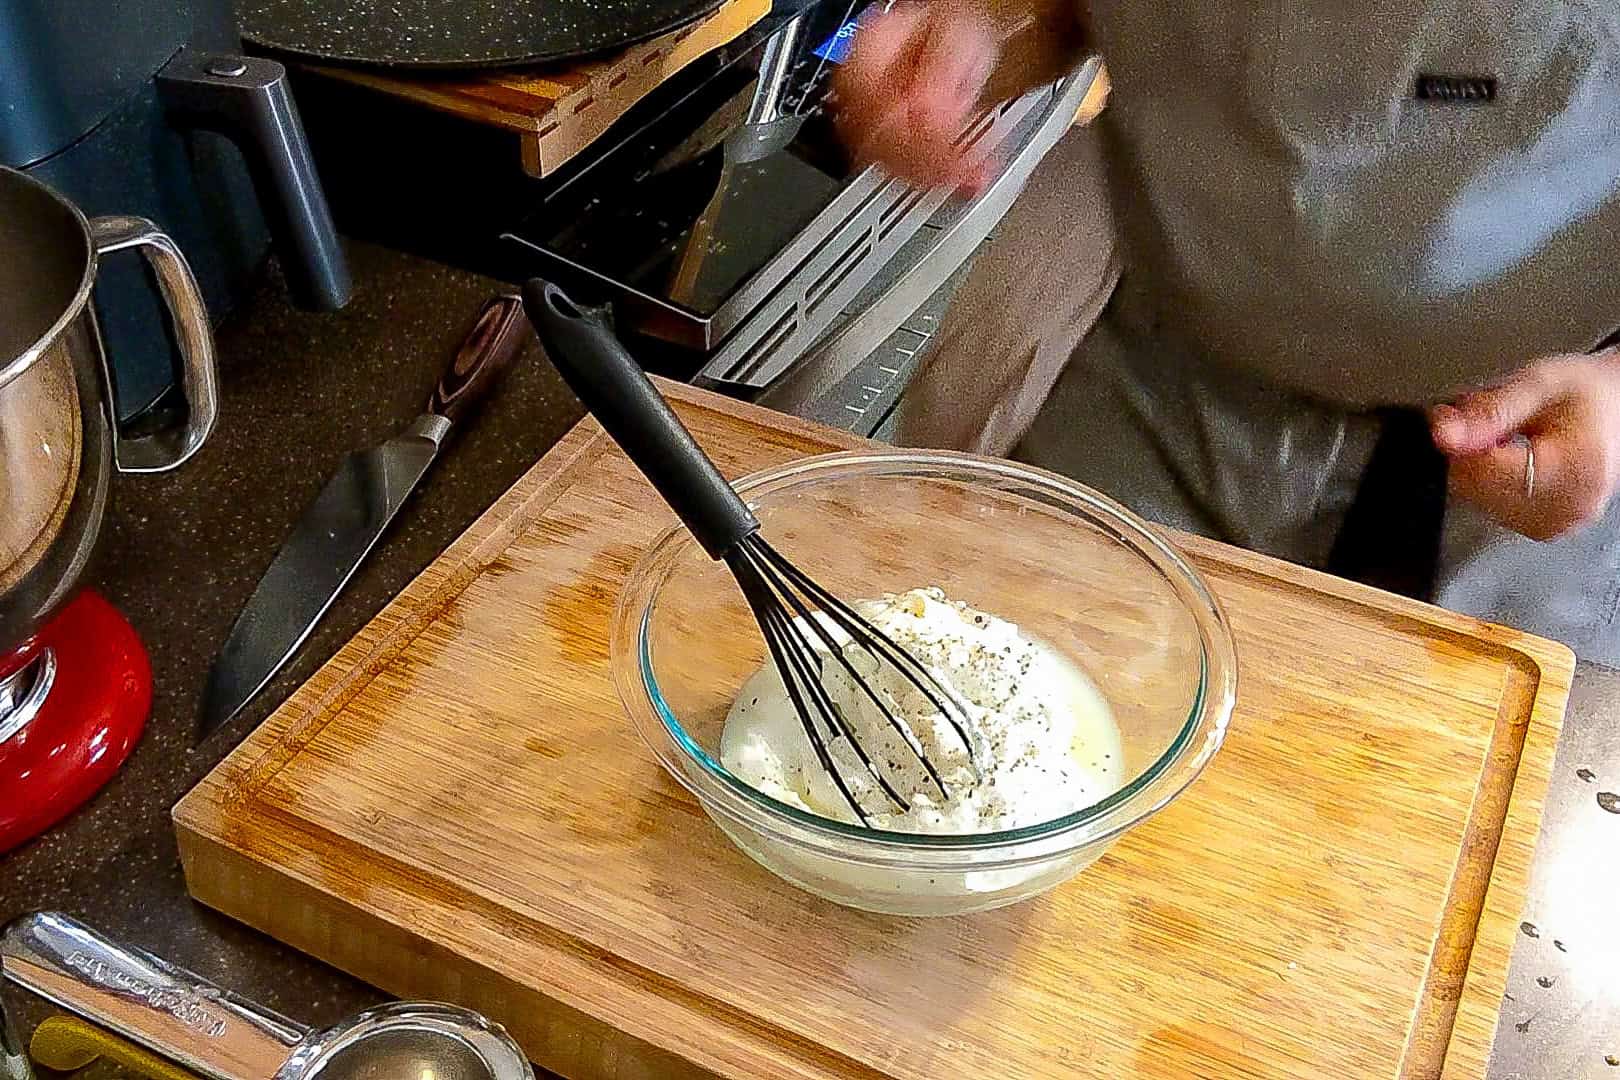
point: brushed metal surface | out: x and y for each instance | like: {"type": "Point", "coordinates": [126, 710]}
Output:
{"type": "Point", "coordinates": [1561, 1014]}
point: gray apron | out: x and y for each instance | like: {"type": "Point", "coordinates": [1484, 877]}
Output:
{"type": "Point", "coordinates": [1324, 208]}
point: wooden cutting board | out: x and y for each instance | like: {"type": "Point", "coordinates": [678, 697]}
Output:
{"type": "Point", "coordinates": [557, 112]}
{"type": "Point", "coordinates": [455, 807]}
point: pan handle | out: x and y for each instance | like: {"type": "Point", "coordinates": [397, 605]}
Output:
{"type": "Point", "coordinates": [145, 999]}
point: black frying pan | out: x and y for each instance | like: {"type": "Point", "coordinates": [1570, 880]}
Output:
{"type": "Point", "coordinates": [459, 33]}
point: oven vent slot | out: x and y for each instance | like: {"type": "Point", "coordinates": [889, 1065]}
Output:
{"type": "Point", "coordinates": [834, 276]}
{"type": "Point", "coordinates": [760, 351]}
{"type": "Point", "coordinates": [975, 131]}
{"type": "Point", "coordinates": [894, 215]}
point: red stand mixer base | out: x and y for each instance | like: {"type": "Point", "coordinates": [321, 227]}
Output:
{"type": "Point", "coordinates": [88, 724]}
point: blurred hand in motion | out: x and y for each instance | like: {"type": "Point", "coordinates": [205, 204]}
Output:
{"type": "Point", "coordinates": [911, 84]}
{"type": "Point", "coordinates": [1541, 451]}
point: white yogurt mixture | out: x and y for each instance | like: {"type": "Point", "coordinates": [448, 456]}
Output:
{"type": "Point", "coordinates": [1045, 741]}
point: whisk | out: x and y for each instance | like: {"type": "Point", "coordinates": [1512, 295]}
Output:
{"type": "Point", "coordinates": [794, 612]}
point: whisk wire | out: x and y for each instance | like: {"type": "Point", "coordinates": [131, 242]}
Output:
{"type": "Point", "coordinates": [768, 617]}
{"type": "Point", "coordinates": [834, 648]}
{"type": "Point", "coordinates": [619, 394]}
{"type": "Point", "coordinates": [874, 641]}
{"type": "Point", "coordinates": [776, 623]}
{"type": "Point", "coordinates": [831, 714]}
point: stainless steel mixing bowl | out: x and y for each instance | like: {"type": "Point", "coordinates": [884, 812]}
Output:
{"type": "Point", "coordinates": [59, 439]}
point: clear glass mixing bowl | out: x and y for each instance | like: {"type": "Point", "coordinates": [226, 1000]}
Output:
{"type": "Point", "coordinates": [1070, 567]}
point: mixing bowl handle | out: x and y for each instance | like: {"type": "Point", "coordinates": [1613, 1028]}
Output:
{"type": "Point", "coordinates": [624, 401]}
{"type": "Point", "coordinates": [199, 379]}
{"type": "Point", "coordinates": [147, 1000]}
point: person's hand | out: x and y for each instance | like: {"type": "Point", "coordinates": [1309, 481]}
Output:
{"type": "Point", "coordinates": [1541, 451]}
{"type": "Point", "coordinates": [911, 85]}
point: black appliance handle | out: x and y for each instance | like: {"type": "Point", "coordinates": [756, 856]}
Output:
{"type": "Point", "coordinates": [624, 401]}
{"type": "Point", "coordinates": [246, 99]}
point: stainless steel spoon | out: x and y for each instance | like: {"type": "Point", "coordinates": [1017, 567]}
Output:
{"type": "Point", "coordinates": [217, 1034]}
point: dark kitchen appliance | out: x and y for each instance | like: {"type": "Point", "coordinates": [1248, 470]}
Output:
{"type": "Point", "coordinates": [719, 215]}
{"type": "Point", "coordinates": [147, 107]}
{"type": "Point", "coordinates": [735, 224]}
{"type": "Point", "coordinates": [461, 33]}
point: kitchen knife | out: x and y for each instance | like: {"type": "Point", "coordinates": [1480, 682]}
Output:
{"type": "Point", "coordinates": [351, 513]}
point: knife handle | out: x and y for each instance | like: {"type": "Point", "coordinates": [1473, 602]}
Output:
{"type": "Point", "coordinates": [495, 340]}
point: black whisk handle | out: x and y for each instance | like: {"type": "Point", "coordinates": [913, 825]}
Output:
{"type": "Point", "coordinates": [595, 364]}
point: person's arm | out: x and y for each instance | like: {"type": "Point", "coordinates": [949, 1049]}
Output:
{"type": "Point", "coordinates": [1541, 451]}
{"type": "Point", "coordinates": [1041, 41]}
{"type": "Point", "coordinates": [917, 75]}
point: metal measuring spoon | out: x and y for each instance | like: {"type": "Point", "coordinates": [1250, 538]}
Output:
{"type": "Point", "coordinates": [218, 1034]}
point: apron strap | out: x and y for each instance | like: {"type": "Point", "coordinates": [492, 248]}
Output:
{"type": "Point", "coordinates": [1390, 538]}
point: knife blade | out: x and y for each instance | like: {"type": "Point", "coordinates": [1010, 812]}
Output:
{"type": "Point", "coordinates": [350, 515]}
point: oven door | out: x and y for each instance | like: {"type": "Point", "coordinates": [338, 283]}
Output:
{"type": "Point", "coordinates": [853, 375]}
{"type": "Point", "coordinates": [733, 233]}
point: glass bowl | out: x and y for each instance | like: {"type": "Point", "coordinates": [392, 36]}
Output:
{"type": "Point", "coordinates": [1072, 568]}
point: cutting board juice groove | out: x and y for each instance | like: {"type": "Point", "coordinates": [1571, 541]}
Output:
{"type": "Point", "coordinates": [455, 807]}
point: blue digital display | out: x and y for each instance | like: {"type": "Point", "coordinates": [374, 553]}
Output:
{"type": "Point", "coordinates": [836, 48]}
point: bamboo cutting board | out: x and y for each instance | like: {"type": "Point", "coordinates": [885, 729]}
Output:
{"type": "Point", "coordinates": [455, 807]}
{"type": "Point", "coordinates": [557, 112]}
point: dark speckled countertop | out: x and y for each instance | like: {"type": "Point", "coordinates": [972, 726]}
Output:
{"type": "Point", "coordinates": [180, 553]}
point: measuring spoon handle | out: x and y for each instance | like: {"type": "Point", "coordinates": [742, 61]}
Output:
{"type": "Point", "coordinates": [146, 999]}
